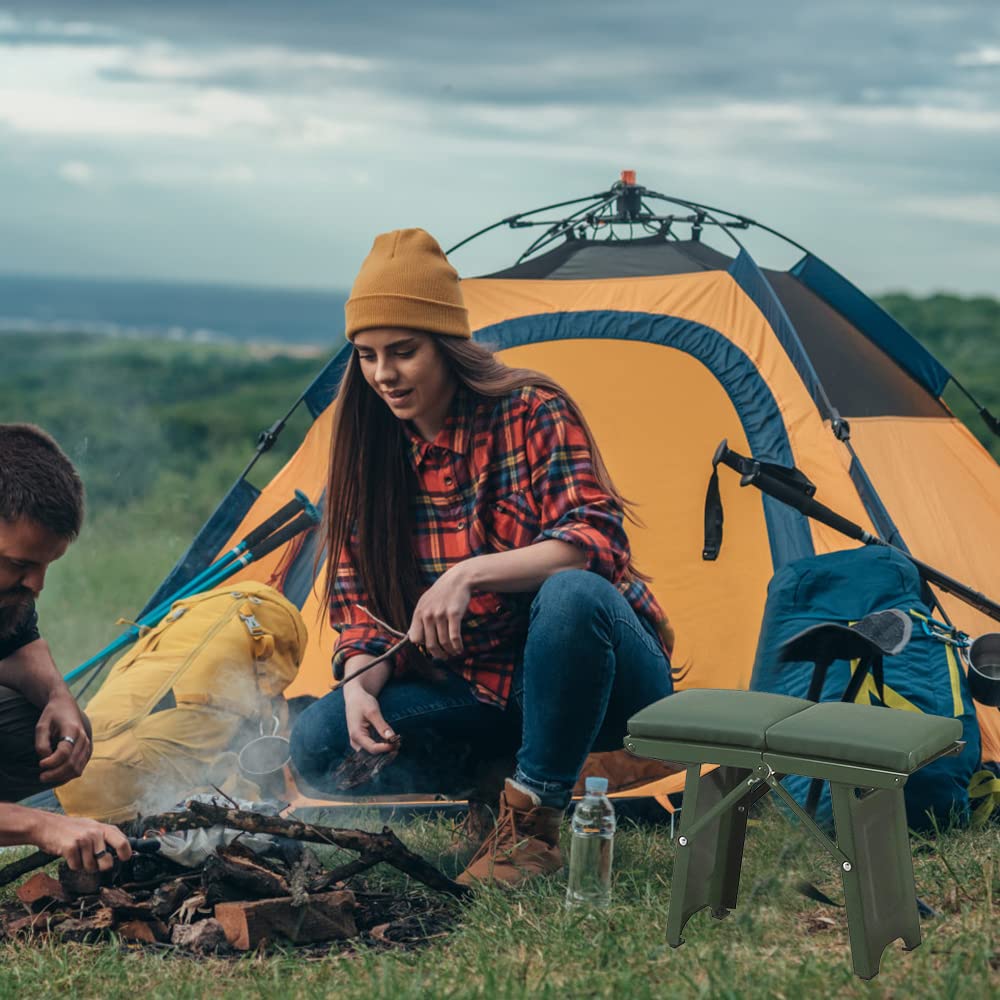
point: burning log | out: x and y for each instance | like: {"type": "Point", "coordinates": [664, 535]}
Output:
{"type": "Point", "coordinates": [83, 883]}
{"type": "Point", "coordinates": [12, 872]}
{"type": "Point", "coordinates": [124, 905]}
{"type": "Point", "coordinates": [227, 877]}
{"type": "Point", "coordinates": [237, 898]}
{"type": "Point", "coordinates": [385, 846]}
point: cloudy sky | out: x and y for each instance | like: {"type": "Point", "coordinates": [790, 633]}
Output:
{"type": "Point", "coordinates": [259, 142]}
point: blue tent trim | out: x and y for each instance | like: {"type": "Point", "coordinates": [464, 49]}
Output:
{"type": "Point", "coordinates": [323, 389]}
{"type": "Point", "coordinates": [788, 530]}
{"type": "Point", "coordinates": [881, 518]}
{"type": "Point", "coordinates": [873, 321]}
{"type": "Point", "coordinates": [236, 504]}
{"type": "Point", "coordinates": [749, 277]}
{"type": "Point", "coordinates": [217, 530]}
{"type": "Point", "coordinates": [301, 574]}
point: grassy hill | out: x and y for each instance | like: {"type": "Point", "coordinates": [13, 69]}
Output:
{"type": "Point", "coordinates": [159, 431]}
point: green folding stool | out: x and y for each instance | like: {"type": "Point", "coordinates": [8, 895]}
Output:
{"type": "Point", "coordinates": [866, 753]}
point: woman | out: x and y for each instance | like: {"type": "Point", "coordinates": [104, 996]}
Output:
{"type": "Point", "coordinates": [469, 507]}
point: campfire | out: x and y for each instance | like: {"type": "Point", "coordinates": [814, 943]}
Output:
{"type": "Point", "coordinates": [236, 898]}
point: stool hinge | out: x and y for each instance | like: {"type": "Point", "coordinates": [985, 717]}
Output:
{"type": "Point", "coordinates": [843, 862]}
{"type": "Point", "coordinates": [740, 792]}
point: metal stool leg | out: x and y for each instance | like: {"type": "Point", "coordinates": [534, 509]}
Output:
{"type": "Point", "coordinates": [879, 890]}
{"type": "Point", "coordinates": [707, 864]}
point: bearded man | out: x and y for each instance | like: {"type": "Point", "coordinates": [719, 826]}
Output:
{"type": "Point", "coordinates": [44, 736]}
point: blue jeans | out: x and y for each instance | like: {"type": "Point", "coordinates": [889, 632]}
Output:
{"type": "Point", "coordinates": [589, 663]}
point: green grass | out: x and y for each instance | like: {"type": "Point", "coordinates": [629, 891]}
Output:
{"type": "Point", "coordinates": [776, 943]}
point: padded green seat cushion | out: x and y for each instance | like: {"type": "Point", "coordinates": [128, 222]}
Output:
{"type": "Point", "coordinates": [715, 717]}
{"type": "Point", "coordinates": [868, 735]}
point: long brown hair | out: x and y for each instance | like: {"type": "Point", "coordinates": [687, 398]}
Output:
{"type": "Point", "coordinates": [371, 482]}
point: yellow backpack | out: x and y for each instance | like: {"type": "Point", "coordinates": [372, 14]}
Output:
{"type": "Point", "coordinates": [175, 710]}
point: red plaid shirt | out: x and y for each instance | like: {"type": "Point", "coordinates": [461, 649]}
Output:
{"type": "Point", "coordinates": [501, 474]}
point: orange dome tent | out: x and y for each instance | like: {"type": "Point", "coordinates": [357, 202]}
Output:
{"type": "Point", "coordinates": [671, 345]}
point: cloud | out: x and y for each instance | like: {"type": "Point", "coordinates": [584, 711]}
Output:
{"type": "Point", "coordinates": [76, 172]}
{"type": "Point", "coordinates": [181, 175]}
{"type": "Point", "coordinates": [984, 55]}
{"type": "Point", "coordinates": [266, 119]}
{"type": "Point", "coordinates": [978, 208]}
{"type": "Point", "coordinates": [249, 68]}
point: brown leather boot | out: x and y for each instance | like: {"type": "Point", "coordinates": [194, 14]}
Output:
{"type": "Point", "coordinates": [524, 843]}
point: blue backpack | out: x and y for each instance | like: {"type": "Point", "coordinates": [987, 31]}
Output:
{"type": "Point", "coordinates": [925, 676]}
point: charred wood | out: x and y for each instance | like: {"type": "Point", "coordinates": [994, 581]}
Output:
{"type": "Point", "coordinates": [386, 846]}
{"type": "Point", "coordinates": [40, 892]}
{"type": "Point", "coordinates": [227, 877]}
{"type": "Point", "coordinates": [325, 917]}
{"type": "Point", "coordinates": [206, 937]}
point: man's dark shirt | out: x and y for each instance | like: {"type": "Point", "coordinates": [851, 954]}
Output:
{"type": "Point", "coordinates": [25, 633]}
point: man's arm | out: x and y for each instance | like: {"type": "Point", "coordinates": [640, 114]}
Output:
{"type": "Point", "coordinates": [31, 671]}
{"type": "Point", "coordinates": [84, 843]}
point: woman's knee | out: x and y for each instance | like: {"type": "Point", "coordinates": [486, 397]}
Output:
{"type": "Point", "coordinates": [574, 596]}
{"type": "Point", "coordinates": [319, 737]}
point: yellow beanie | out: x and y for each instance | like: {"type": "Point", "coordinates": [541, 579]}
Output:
{"type": "Point", "coordinates": [406, 281]}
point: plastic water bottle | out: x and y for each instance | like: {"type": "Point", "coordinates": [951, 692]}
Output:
{"type": "Point", "coordinates": [591, 848]}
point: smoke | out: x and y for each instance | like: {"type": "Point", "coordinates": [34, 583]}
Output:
{"type": "Point", "coordinates": [194, 748]}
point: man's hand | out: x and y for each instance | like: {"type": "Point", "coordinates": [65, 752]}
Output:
{"type": "Point", "coordinates": [364, 715]}
{"type": "Point", "coordinates": [60, 760]}
{"type": "Point", "coordinates": [84, 843]}
{"type": "Point", "coordinates": [437, 618]}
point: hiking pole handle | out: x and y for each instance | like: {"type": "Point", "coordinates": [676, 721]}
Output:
{"type": "Point", "coordinates": [299, 502]}
{"type": "Point", "coordinates": [257, 544]}
{"type": "Point", "coordinates": [753, 474]}
{"type": "Point", "coordinates": [306, 520]}
{"type": "Point", "coordinates": [230, 558]}
{"type": "Point", "coordinates": [807, 505]}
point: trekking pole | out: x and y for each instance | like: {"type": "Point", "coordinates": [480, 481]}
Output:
{"type": "Point", "coordinates": [262, 531]}
{"type": "Point", "coordinates": [307, 519]}
{"type": "Point", "coordinates": [263, 540]}
{"type": "Point", "coordinates": [791, 487]}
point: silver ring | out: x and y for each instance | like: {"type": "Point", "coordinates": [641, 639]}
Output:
{"type": "Point", "coordinates": [99, 854]}
{"type": "Point", "coordinates": [67, 739]}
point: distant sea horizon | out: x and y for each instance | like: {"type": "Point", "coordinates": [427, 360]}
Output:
{"type": "Point", "coordinates": [173, 310]}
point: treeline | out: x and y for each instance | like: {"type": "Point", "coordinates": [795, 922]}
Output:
{"type": "Point", "coordinates": [168, 424]}
{"type": "Point", "coordinates": [964, 335]}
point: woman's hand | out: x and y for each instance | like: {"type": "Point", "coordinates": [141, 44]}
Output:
{"type": "Point", "coordinates": [437, 618]}
{"type": "Point", "coordinates": [363, 716]}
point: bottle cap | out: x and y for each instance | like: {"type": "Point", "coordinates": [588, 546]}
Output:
{"type": "Point", "coordinates": [596, 786]}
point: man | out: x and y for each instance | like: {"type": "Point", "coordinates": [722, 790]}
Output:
{"type": "Point", "coordinates": [44, 737]}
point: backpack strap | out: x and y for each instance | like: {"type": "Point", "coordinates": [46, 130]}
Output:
{"type": "Point", "coordinates": [984, 785]}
